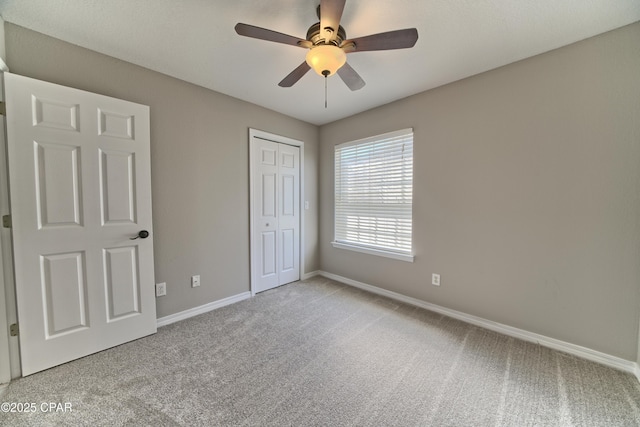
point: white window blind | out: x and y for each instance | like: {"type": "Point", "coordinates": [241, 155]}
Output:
{"type": "Point", "coordinates": [374, 192]}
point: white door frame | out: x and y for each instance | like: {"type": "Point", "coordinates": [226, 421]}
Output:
{"type": "Point", "coordinates": [283, 140]}
{"type": "Point", "coordinates": [5, 355]}
{"type": "Point", "coordinates": [9, 346]}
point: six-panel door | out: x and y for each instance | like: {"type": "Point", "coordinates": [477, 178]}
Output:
{"type": "Point", "coordinates": [79, 168]}
{"type": "Point", "coordinates": [276, 214]}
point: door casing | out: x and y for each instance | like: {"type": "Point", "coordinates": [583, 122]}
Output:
{"type": "Point", "coordinates": [9, 346]}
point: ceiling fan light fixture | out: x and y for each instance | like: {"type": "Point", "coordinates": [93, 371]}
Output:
{"type": "Point", "coordinates": [326, 59]}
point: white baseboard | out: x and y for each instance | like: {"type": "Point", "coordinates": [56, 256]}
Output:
{"type": "Point", "coordinates": [176, 317]}
{"type": "Point", "coordinates": [309, 275]}
{"type": "Point", "coordinates": [566, 347]}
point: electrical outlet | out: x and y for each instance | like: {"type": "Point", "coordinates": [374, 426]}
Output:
{"type": "Point", "coordinates": [161, 289]}
{"type": "Point", "coordinates": [195, 281]}
{"type": "Point", "coordinates": [435, 279]}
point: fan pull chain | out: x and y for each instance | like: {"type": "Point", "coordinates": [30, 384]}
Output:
{"type": "Point", "coordinates": [325, 91]}
{"type": "Point", "coordinates": [325, 73]}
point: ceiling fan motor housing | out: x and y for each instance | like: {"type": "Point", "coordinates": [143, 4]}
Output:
{"type": "Point", "coordinates": [313, 35]}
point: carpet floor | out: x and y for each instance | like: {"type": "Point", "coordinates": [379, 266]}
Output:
{"type": "Point", "coordinates": [319, 353]}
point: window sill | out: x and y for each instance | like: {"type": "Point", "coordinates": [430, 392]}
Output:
{"type": "Point", "coordinates": [370, 251]}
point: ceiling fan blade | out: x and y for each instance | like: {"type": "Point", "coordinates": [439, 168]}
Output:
{"type": "Point", "coordinates": [350, 77]}
{"type": "Point", "coordinates": [268, 35]}
{"type": "Point", "coordinates": [295, 75]}
{"type": "Point", "coordinates": [398, 39]}
{"type": "Point", "coordinates": [330, 14]}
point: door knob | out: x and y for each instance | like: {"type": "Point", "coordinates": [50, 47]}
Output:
{"type": "Point", "coordinates": [143, 234]}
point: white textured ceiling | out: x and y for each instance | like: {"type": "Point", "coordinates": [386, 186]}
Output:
{"type": "Point", "coordinates": [194, 40]}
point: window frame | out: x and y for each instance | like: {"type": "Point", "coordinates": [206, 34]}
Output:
{"type": "Point", "coordinates": [371, 249]}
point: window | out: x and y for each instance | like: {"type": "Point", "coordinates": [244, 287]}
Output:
{"type": "Point", "coordinates": [374, 195]}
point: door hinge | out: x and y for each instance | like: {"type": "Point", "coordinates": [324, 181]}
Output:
{"type": "Point", "coordinates": [13, 330]}
{"type": "Point", "coordinates": [3, 109]}
{"type": "Point", "coordinates": [6, 221]}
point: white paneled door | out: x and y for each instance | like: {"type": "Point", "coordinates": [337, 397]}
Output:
{"type": "Point", "coordinates": [80, 184]}
{"type": "Point", "coordinates": [275, 247]}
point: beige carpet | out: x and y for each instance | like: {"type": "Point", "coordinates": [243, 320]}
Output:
{"type": "Point", "coordinates": [321, 353]}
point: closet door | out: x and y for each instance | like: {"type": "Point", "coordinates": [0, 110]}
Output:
{"type": "Point", "coordinates": [275, 219]}
{"type": "Point", "coordinates": [289, 214]}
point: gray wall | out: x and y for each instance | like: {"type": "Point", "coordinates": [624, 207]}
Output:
{"type": "Point", "coordinates": [199, 164]}
{"type": "Point", "coordinates": [526, 194]}
{"type": "Point", "coordinates": [3, 55]}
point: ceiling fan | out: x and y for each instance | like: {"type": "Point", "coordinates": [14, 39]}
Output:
{"type": "Point", "coordinates": [328, 45]}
